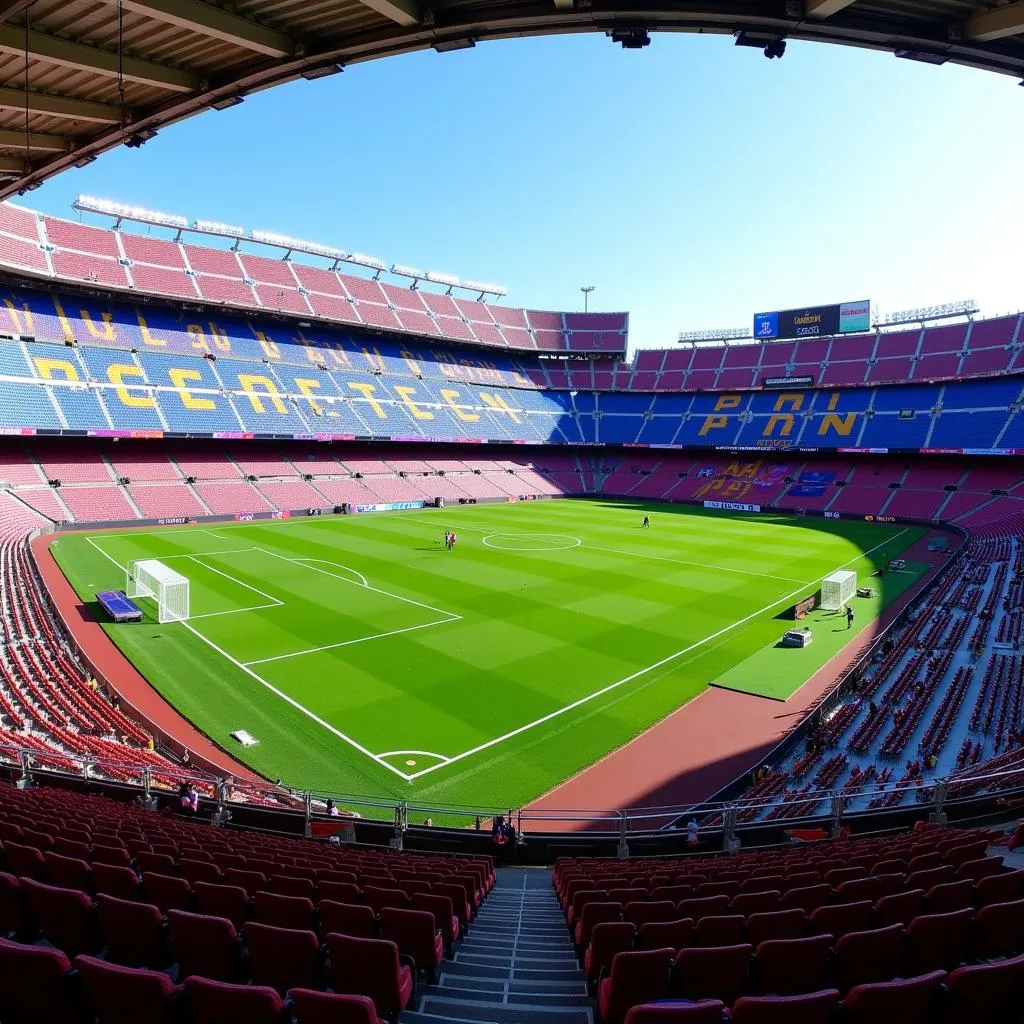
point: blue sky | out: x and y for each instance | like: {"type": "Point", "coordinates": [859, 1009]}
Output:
{"type": "Point", "coordinates": [692, 183]}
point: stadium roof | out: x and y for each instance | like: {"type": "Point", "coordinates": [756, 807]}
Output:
{"type": "Point", "coordinates": [78, 77]}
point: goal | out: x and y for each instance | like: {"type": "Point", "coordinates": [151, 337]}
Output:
{"type": "Point", "coordinates": [837, 589]}
{"type": "Point", "coordinates": [148, 577]}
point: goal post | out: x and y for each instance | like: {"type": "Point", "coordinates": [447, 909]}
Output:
{"type": "Point", "coordinates": [148, 577]}
{"type": "Point", "coordinates": [838, 589]}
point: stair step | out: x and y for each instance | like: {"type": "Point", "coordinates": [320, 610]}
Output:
{"type": "Point", "coordinates": [542, 1000]}
{"type": "Point", "coordinates": [575, 985]}
{"type": "Point", "coordinates": [434, 1008]}
{"type": "Point", "coordinates": [504, 971]}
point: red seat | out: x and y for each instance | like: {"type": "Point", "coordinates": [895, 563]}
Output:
{"type": "Point", "coordinates": [12, 906]}
{"type": "Point", "coordinates": [812, 1008]}
{"type": "Point", "coordinates": [205, 945]}
{"type": "Point", "coordinates": [251, 881]}
{"type": "Point", "coordinates": [721, 972]}
{"type": "Point", "coordinates": [158, 863]}
{"type": "Point", "coordinates": [662, 934]}
{"type": "Point", "coordinates": [673, 893]}
{"type": "Point", "coordinates": [840, 918]}
{"type": "Point", "coordinates": [788, 967]}
{"type": "Point", "coordinates": [869, 956]}
{"type": "Point", "coordinates": [777, 924]}
{"type": "Point", "coordinates": [339, 892]}
{"type": "Point", "coordinates": [801, 880]}
{"type": "Point", "coordinates": [949, 896]}
{"type": "Point", "coordinates": [983, 867]}
{"type": "Point", "coordinates": [726, 930]}
{"type": "Point", "coordinates": [999, 930]}
{"type": "Point", "coordinates": [35, 986]}
{"type": "Point", "coordinates": [313, 1007]}
{"type": "Point", "coordinates": [460, 905]}
{"type": "Point", "coordinates": [111, 855]}
{"type": "Point", "coordinates": [167, 893]}
{"type": "Point", "coordinates": [641, 913]}
{"type": "Point", "coordinates": [580, 898]}
{"type": "Point", "coordinates": [929, 877]}
{"type": "Point", "coordinates": [729, 888]}
{"type": "Point", "coordinates": [355, 919]}
{"type": "Point", "coordinates": [116, 880]}
{"type": "Point", "coordinates": [592, 914]}
{"type": "Point", "coordinates": [287, 885]}
{"type": "Point", "coordinates": [371, 967]}
{"type": "Point", "coordinates": [899, 908]}
{"type": "Point", "coordinates": [1001, 888]}
{"type": "Point", "coordinates": [69, 872]}
{"type": "Point", "coordinates": [283, 911]}
{"type": "Point", "coordinates": [198, 871]}
{"type": "Point", "coordinates": [444, 916]}
{"type": "Point", "coordinates": [984, 992]}
{"type": "Point", "coordinates": [133, 932]}
{"type": "Point", "coordinates": [807, 898]}
{"type": "Point", "coordinates": [908, 1001]}
{"type": "Point", "coordinates": [706, 1011]}
{"type": "Point", "coordinates": [230, 901]}
{"type": "Point", "coordinates": [214, 1002]}
{"type": "Point", "coordinates": [937, 941]}
{"type": "Point", "coordinates": [607, 939]}
{"type": "Point", "coordinates": [762, 882]}
{"type": "Point", "coordinates": [635, 978]}
{"type": "Point", "coordinates": [415, 934]}
{"type": "Point", "coordinates": [748, 903]}
{"type": "Point", "coordinates": [127, 995]}
{"type": "Point", "coordinates": [66, 917]}
{"type": "Point", "coordinates": [25, 861]}
{"type": "Point", "coordinates": [283, 958]}
{"type": "Point", "coordinates": [708, 906]}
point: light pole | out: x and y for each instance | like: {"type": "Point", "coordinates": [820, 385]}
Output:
{"type": "Point", "coordinates": [586, 289]}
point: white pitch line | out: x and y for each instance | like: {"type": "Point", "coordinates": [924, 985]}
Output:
{"type": "Point", "coordinates": [234, 579]}
{"type": "Point", "coordinates": [701, 565]}
{"type": "Point", "coordinates": [636, 675]}
{"type": "Point", "coordinates": [349, 643]}
{"type": "Point", "coordinates": [236, 611]}
{"type": "Point", "coordinates": [337, 565]}
{"type": "Point", "coordinates": [376, 590]}
{"type": "Point", "coordinates": [419, 753]}
{"type": "Point", "coordinates": [207, 554]}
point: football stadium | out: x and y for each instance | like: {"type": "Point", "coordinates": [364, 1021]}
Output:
{"type": "Point", "coordinates": [377, 646]}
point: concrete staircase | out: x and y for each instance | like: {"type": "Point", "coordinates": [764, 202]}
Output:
{"type": "Point", "coordinates": [516, 964]}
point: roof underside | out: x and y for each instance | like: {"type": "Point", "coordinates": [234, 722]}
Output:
{"type": "Point", "coordinates": [78, 77]}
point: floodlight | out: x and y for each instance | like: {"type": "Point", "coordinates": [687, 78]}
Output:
{"type": "Point", "coordinates": [484, 288]}
{"type": "Point", "coordinates": [403, 270]}
{"type": "Point", "coordinates": [435, 277]}
{"type": "Point", "coordinates": [373, 262]}
{"type": "Point", "coordinates": [215, 227]}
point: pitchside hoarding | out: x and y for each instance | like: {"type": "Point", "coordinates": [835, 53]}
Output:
{"type": "Point", "coordinates": [814, 321]}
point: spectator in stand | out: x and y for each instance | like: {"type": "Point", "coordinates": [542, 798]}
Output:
{"type": "Point", "coordinates": [332, 810]}
{"type": "Point", "coordinates": [930, 761]}
{"type": "Point", "coordinates": [189, 798]}
{"type": "Point", "coordinates": [692, 833]}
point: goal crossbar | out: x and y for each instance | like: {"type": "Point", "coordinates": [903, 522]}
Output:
{"type": "Point", "coordinates": [838, 589]}
{"type": "Point", "coordinates": [149, 577]}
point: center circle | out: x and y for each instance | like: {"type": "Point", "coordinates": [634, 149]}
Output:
{"type": "Point", "coordinates": [531, 541]}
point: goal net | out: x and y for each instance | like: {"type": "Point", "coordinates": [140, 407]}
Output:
{"type": "Point", "coordinates": [148, 577]}
{"type": "Point", "coordinates": [838, 589]}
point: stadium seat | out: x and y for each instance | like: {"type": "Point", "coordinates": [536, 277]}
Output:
{"type": "Point", "coordinates": [840, 918]}
{"type": "Point", "coordinates": [35, 985]}
{"type": "Point", "coordinates": [590, 915]}
{"type": "Point", "coordinates": [998, 930]}
{"type": "Point", "coordinates": [607, 939]}
{"type": "Point", "coordinates": [444, 916]}
{"type": "Point", "coordinates": [126, 995]}
{"type": "Point", "coordinates": [355, 919]}
{"type": "Point", "coordinates": [777, 924]}
{"type": "Point", "coordinates": [749, 903]}
{"type": "Point", "coordinates": [948, 896]}
{"type": "Point", "coordinates": [371, 967]}
{"type": "Point", "coordinates": [312, 1007]}
{"type": "Point", "coordinates": [709, 906]}
{"type": "Point", "coordinates": [661, 934]}
{"type": "Point", "coordinates": [283, 958]}
{"type": "Point", "coordinates": [415, 934]}
{"type": "Point", "coordinates": [635, 978]}
{"type": "Point", "coordinates": [1002, 888]}
{"type": "Point", "coordinates": [283, 911]}
{"type": "Point", "coordinates": [726, 930]}
{"type": "Point", "coordinates": [251, 881]}
{"type": "Point", "coordinates": [198, 871]}
{"type": "Point", "coordinates": [899, 908]}
{"type": "Point", "coordinates": [937, 942]}
{"type": "Point", "coordinates": [13, 922]}
{"type": "Point", "coordinates": [907, 1000]}
{"type": "Point", "coordinates": [66, 917]}
{"type": "Point", "coordinates": [205, 945]}
{"type": "Point", "coordinates": [704, 1011]}
{"type": "Point", "coordinates": [984, 992]}
{"type": "Point", "coordinates": [870, 956]}
{"type": "Point", "coordinates": [287, 885]}
{"type": "Point", "coordinates": [213, 1002]}
{"type": "Point", "coordinates": [167, 892]}
{"type": "Point", "coordinates": [133, 932]}
{"type": "Point", "coordinates": [68, 872]}
{"type": "Point", "coordinates": [460, 905]}
{"type": "Point", "coordinates": [641, 913]}
{"type": "Point", "coordinates": [339, 892]}
{"type": "Point", "coordinates": [116, 880]}
{"type": "Point", "coordinates": [810, 1008]}
{"type": "Point", "coordinates": [721, 972]}
{"type": "Point", "coordinates": [230, 901]}
{"type": "Point", "coordinates": [787, 967]}
{"type": "Point", "coordinates": [25, 862]}
{"type": "Point", "coordinates": [807, 898]}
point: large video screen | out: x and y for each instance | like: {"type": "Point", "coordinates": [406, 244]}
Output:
{"type": "Point", "coordinates": [814, 321]}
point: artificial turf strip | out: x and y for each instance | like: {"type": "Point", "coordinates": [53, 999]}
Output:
{"type": "Point", "coordinates": [537, 630]}
{"type": "Point", "coordinates": [777, 672]}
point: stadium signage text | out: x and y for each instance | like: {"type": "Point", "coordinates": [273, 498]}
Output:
{"type": "Point", "coordinates": [788, 382]}
{"type": "Point", "coordinates": [732, 506]}
{"type": "Point", "coordinates": [393, 506]}
{"type": "Point", "coordinates": [814, 321]}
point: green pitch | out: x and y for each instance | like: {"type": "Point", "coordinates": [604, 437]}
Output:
{"type": "Point", "coordinates": [367, 659]}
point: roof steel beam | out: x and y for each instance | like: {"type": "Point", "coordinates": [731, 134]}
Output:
{"type": "Point", "coordinates": [217, 24]}
{"type": "Point", "coordinates": [402, 12]}
{"type": "Point", "coordinates": [10, 139]}
{"type": "Point", "coordinates": [996, 23]}
{"type": "Point", "coordinates": [82, 57]}
{"type": "Point", "coordinates": [9, 8]}
{"type": "Point", "coordinates": [824, 8]}
{"type": "Point", "coordinates": [59, 106]}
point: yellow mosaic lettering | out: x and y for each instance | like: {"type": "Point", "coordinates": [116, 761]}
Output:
{"type": "Point", "coordinates": [450, 396]}
{"type": "Point", "coordinates": [148, 337]}
{"type": "Point", "coordinates": [367, 391]}
{"type": "Point", "coordinates": [179, 376]}
{"type": "Point", "coordinates": [249, 382]}
{"type": "Point", "coordinates": [116, 373]}
{"type": "Point", "coordinates": [55, 369]}
{"type": "Point", "coordinates": [405, 393]}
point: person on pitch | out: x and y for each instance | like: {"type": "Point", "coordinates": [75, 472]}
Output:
{"type": "Point", "coordinates": [849, 617]}
{"type": "Point", "coordinates": [647, 521]}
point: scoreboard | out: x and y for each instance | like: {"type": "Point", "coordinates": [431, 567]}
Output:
{"type": "Point", "coordinates": [814, 321]}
